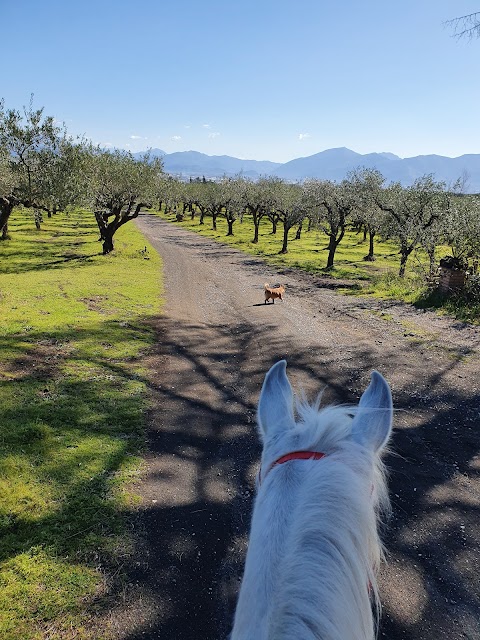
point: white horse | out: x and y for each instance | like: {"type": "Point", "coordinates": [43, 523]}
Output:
{"type": "Point", "coordinates": [314, 549]}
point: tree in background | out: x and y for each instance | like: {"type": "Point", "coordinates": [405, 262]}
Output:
{"type": "Point", "coordinates": [288, 205]}
{"type": "Point", "coordinates": [462, 229]}
{"type": "Point", "coordinates": [231, 192]}
{"type": "Point", "coordinates": [333, 205]}
{"type": "Point", "coordinates": [368, 183]}
{"type": "Point", "coordinates": [412, 213]}
{"type": "Point", "coordinates": [66, 178]}
{"type": "Point", "coordinates": [258, 200]}
{"type": "Point", "coordinates": [30, 145]}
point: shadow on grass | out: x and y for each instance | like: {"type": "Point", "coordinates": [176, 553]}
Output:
{"type": "Point", "coordinates": [457, 304]}
{"type": "Point", "coordinates": [68, 423]}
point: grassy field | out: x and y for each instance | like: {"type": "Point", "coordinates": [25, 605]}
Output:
{"type": "Point", "coordinates": [73, 326]}
{"type": "Point", "coordinates": [308, 253]}
{"type": "Point", "coordinates": [378, 278]}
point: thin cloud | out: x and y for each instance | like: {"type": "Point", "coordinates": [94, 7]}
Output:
{"type": "Point", "coordinates": [206, 126]}
{"type": "Point", "coordinates": [137, 138]}
{"type": "Point", "coordinates": [303, 136]}
{"type": "Point", "coordinates": [213, 134]}
{"type": "Point", "coordinates": [176, 138]}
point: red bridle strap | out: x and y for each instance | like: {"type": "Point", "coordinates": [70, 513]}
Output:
{"type": "Point", "coordinates": [294, 455]}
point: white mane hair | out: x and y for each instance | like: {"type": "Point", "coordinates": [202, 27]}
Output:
{"type": "Point", "coordinates": [314, 549]}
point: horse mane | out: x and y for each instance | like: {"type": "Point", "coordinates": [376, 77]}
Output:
{"type": "Point", "coordinates": [328, 560]}
{"type": "Point", "coordinates": [325, 584]}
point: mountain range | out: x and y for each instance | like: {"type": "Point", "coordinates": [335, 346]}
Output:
{"type": "Point", "coordinates": [332, 164]}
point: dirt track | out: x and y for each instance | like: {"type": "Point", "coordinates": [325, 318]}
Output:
{"type": "Point", "coordinates": [215, 343]}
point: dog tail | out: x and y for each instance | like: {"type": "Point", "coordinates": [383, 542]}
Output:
{"type": "Point", "coordinates": [266, 285]}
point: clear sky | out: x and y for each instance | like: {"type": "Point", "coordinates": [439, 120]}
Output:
{"type": "Point", "coordinates": [257, 79]}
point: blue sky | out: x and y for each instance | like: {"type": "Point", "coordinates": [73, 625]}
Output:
{"type": "Point", "coordinates": [258, 79]}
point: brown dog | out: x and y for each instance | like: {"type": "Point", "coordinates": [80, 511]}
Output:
{"type": "Point", "coordinates": [273, 292]}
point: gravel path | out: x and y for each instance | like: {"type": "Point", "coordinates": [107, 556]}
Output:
{"type": "Point", "coordinates": [215, 343]}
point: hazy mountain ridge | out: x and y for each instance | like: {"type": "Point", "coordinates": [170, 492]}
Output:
{"type": "Point", "coordinates": [331, 164]}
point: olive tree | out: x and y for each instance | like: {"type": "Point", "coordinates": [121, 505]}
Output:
{"type": "Point", "coordinates": [211, 201]}
{"type": "Point", "coordinates": [368, 183]}
{"type": "Point", "coordinates": [462, 229]}
{"type": "Point", "coordinates": [333, 204]}
{"type": "Point", "coordinates": [288, 205]}
{"type": "Point", "coordinates": [120, 186]}
{"type": "Point", "coordinates": [30, 143]}
{"type": "Point", "coordinates": [412, 213]}
{"type": "Point", "coordinates": [231, 199]}
{"type": "Point", "coordinates": [65, 180]}
{"type": "Point", "coordinates": [259, 200]}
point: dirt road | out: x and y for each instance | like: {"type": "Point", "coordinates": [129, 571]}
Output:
{"type": "Point", "coordinates": [215, 343]}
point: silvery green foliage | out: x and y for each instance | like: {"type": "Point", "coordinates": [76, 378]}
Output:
{"type": "Point", "coordinates": [118, 181]}
{"type": "Point", "coordinates": [30, 141]}
{"type": "Point", "coordinates": [7, 177]}
{"type": "Point", "coordinates": [414, 214]}
{"type": "Point", "coordinates": [462, 230]}
{"type": "Point", "coordinates": [334, 205]}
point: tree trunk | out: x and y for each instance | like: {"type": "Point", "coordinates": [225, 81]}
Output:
{"type": "Point", "coordinates": [255, 235]}
{"type": "Point", "coordinates": [298, 235]}
{"type": "Point", "coordinates": [230, 227]}
{"type": "Point", "coordinates": [284, 248]}
{"type": "Point", "coordinates": [108, 240]}
{"type": "Point", "coordinates": [431, 260]}
{"type": "Point", "coordinates": [371, 256]}
{"type": "Point", "coordinates": [332, 247]}
{"type": "Point", "coordinates": [405, 252]}
{"type": "Point", "coordinates": [102, 224]}
{"type": "Point", "coordinates": [6, 208]}
{"type": "Point", "coordinates": [37, 216]}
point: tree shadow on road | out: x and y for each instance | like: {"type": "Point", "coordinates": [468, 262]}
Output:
{"type": "Point", "coordinates": [204, 451]}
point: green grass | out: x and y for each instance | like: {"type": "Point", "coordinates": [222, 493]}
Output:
{"type": "Point", "coordinates": [377, 279]}
{"type": "Point", "coordinates": [72, 404]}
{"type": "Point", "coordinates": [309, 253]}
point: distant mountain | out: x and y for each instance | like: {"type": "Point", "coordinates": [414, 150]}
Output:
{"type": "Point", "coordinates": [332, 164]}
{"type": "Point", "coordinates": [196, 165]}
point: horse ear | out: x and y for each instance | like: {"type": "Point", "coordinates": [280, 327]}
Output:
{"type": "Point", "coordinates": [372, 423]}
{"type": "Point", "coordinates": [275, 407]}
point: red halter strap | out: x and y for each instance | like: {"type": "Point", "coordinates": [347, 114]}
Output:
{"type": "Point", "coordinates": [294, 455]}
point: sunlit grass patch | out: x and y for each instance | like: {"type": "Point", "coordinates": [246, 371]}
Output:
{"type": "Point", "coordinates": [72, 407]}
{"type": "Point", "coordinates": [309, 253]}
